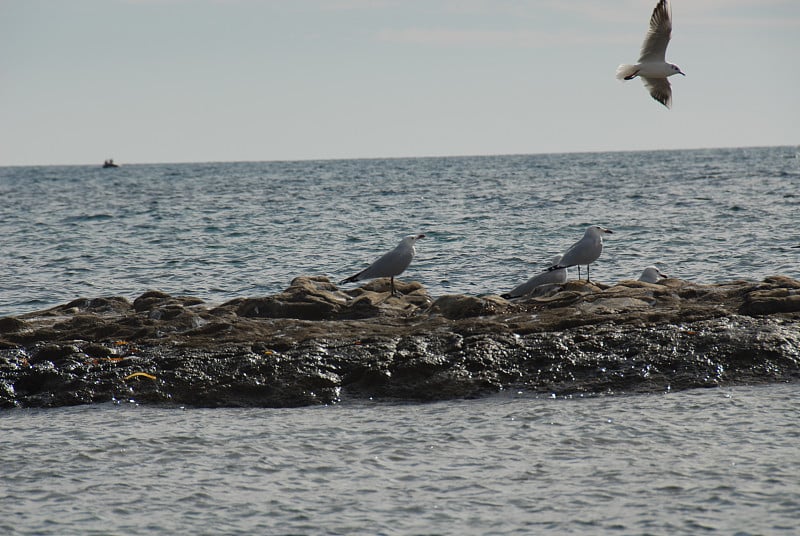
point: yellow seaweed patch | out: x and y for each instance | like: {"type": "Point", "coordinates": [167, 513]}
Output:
{"type": "Point", "coordinates": [144, 374]}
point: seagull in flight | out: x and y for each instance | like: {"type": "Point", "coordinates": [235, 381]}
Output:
{"type": "Point", "coordinates": [390, 264]}
{"type": "Point", "coordinates": [652, 68]}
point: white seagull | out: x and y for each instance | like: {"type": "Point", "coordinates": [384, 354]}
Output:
{"type": "Point", "coordinates": [390, 264]}
{"type": "Point", "coordinates": [584, 251]}
{"type": "Point", "coordinates": [651, 274]}
{"type": "Point", "coordinates": [653, 67]}
{"type": "Point", "coordinates": [548, 277]}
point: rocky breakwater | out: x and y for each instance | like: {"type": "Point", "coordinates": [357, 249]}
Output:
{"type": "Point", "coordinates": [316, 344]}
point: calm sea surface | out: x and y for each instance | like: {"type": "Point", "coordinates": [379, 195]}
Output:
{"type": "Point", "coordinates": [718, 461]}
{"type": "Point", "coordinates": [222, 231]}
{"type": "Point", "coordinates": [722, 461]}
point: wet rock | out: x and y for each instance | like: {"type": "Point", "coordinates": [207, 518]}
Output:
{"type": "Point", "coordinates": [457, 307]}
{"type": "Point", "coordinates": [156, 300]}
{"type": "Point", "coordinates": [317, 344]}
{"type": "Point", "coordinates": [775, 295]}
{"type": "Point", "coordinates": [150, 299]}
{"type": "Point", "coordinates": [317, 298]}
{"type": "Point", "coordinates": [96, 305]}
{"type": "Point", "coordinates": [97, 350]}
{"type": "Point", "coordinates": [9, 324]}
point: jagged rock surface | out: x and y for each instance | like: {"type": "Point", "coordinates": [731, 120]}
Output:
{"type": "Point", "coordinates": [316, 344]}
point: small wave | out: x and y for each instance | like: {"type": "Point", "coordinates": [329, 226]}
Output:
{"type": "Point", "coordinates": [88, 217]}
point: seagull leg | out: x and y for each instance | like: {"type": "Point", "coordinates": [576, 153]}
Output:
{"type": "Point", "coordinates": [391, 280]}
{"type": "Point", "coordinates": [632, 76]}
{"type": "Point", "coordinates": [579, 272]}
{"type": "Point", "coordinates": [587, 273]}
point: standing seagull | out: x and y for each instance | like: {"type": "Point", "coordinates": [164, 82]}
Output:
{"type": "Point", "coordinates": [651, 274]}
{"type": "Point", "coordinates": [391, 264]}
{"type": "Point", "coordinates": [584, 251]}
{"type": "Point", "coordinates": [652, 67]}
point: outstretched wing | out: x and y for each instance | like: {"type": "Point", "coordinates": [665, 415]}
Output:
{"type": "Point", "coordinates": [655, 43]}
{"type": "Point", "coordinates": [659, 89]}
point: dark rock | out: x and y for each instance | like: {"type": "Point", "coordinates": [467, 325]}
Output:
{"type": "Point", "coordinates": [97, 350]}
{"type": "Point", "coordinates": [307, 298]}
{"type": "Point", "coordinates": [9, 324]}
{"type": "Point", "coordinates": [156, 299]}
{"type": "Point", "coordinates": [316, 344]}
{"type": "Point", "coordinates": [317, 298]}
{"type": "Point", "coordinates": [150, 299]}
{"type": "Point", "coordinates": [776, 294]}
{"type": "Point", "coordinates": [53, 352]}
{"type": "Point", "coordinates": [98, 305]}
{"type": "Point", "coordinates": [456, 307]}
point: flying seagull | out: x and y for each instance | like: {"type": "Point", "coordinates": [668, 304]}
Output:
{"type": "Point", "coordinates": [652, 68]}
{"type": "Point", "coordinates": [585, 251]}
{"type": "Point", "coordinates": [391, 264]}
{"type": "Point", "coordinates": [651, 274]}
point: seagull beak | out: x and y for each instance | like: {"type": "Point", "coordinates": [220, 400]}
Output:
{"type": "Point", "coordinates": [609, 231]}
{"type": "Point", "coordinates": [420, 236]}
{"type": "Point", "coordinates": [681, 72]}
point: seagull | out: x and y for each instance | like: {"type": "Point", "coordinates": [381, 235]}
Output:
{"type": "Point", "coordinates": [652, 67]}
{"type": "Point", "coordinates": [390, 264]}
{"type": "Point", "coordinates": [651, 274]}
{"type": "Point", "coordinates": [584, 251]}
{"type": "Point", "coordinates": [548, 277]}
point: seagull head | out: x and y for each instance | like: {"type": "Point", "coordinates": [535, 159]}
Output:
{"type": "Point", "coordinates": [597, 230]}
{"type": "Point", "coordinates": [651, 274]}
{"type": "Point", "coordinates": [410, 239]}
{"type": "Point", "coordinates": [676, 69]}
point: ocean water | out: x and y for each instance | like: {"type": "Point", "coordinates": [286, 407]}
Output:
{"type": "Point", "coordinates": [714, 461]}
{"type": "Point", "coordinates": [220, 231]}
{"type": "Point", "coordinates": [719, 461]}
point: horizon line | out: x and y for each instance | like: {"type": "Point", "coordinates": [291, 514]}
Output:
{"type": "Point", "coordinates": [405, 157]}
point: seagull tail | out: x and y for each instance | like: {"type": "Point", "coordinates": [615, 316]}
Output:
{"type": "Point", "coordinates": [353, 278]}
{"type": "Point", "coordinates": [626, 71]}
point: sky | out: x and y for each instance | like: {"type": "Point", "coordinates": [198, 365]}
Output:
{"type": "Point", "coordinates": [151, 81]}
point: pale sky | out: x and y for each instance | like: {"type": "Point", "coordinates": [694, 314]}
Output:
{"type": "Point", "coordinates": [146, 81]}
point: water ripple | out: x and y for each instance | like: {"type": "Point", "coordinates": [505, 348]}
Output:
{"type": "Point", "coordinates": [214, 229]}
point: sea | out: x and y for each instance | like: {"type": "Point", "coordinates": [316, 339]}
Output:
{"type": "Point", "coordinates": [713, 461]}
{"type": "Point", "coordinates": [722, 460]}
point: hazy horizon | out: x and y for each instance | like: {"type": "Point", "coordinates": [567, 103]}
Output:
{"type": "Point", "coordinates": [169, 81]}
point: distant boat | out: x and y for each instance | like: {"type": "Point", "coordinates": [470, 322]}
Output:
{"type": "Point", "coordinates": [110, 163]}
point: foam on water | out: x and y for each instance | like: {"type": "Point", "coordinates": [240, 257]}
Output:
{"type": "Point", "coordinates": [220, 231]}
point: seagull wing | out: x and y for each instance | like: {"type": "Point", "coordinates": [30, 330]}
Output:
{"type": "Point", "coordinates": [392, 264]}
{"type": "Point", "coordinates": [659, 89]}
{"type": "Point", "coordinates": [654, 48]}
{"type": "Point", "coordinates": [548, 277]}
